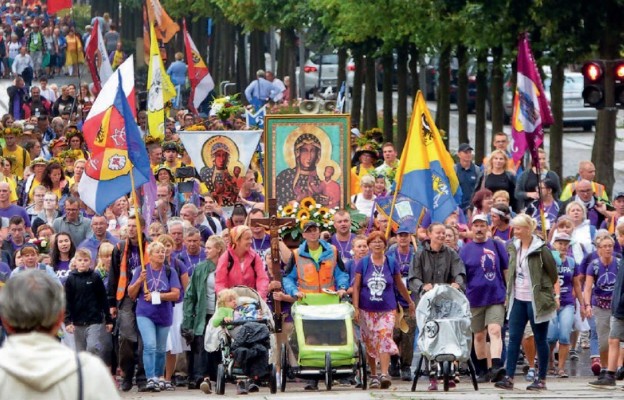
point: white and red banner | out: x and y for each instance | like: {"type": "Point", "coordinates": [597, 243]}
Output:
{"type": "Point", "coordinates": [199, 76]}
{"type": "Point", "coordinates": [97, 58]}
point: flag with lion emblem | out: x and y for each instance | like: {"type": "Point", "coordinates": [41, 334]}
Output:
{"type": "Point", "coordinates": [426, 173]}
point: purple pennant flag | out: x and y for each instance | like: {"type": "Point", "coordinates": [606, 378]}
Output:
{"type": "Point", "coordinates": [530, 108]}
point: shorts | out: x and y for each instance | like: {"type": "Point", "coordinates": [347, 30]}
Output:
{"type": "Point", "coordinates": [486, 315]}
{"type": "Point", "coordinates": [616, 330]}
{"type": "Point", "coordinates": [602, 317]}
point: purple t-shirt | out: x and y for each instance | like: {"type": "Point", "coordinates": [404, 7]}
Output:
{"type": "Point", "coordinates": [5, 272]}
{"type": "Point", "coordinates": [181, 269]}
{"type": "Point", "coordinates": [161, 314]}
{"type": "Point", "coordinates": [12, 211]}
{"type": "Point", "coordinates": [567, 271]}
{"type": "Point", "coordinates": [62, 271]}
{"type": "Point", "coordinates": [505, 235]}
{"type": "Point", "coordinates": [604, 281]}
{"type": "Point", "coordinates": [260, 246]}
{"type": "Point", "coordinates": [377, 290]}
{"type": "Point", "coordinates": [343, 247]}
{"type": "Point", "coordinates": [582, 269]}
{"type": "Point", "coordinates": [404, 262]}
{"type": "Point", "coordinates": [485, 263]}
{"type": "Point", "coordinates": [190, 261]}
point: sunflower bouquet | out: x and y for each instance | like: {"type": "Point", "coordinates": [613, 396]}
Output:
{"type": "Point", "coordinates": [307, 210]}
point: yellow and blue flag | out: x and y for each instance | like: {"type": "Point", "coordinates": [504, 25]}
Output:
{"type": "Point", "coordinates": [160, 90]}
{"type": "Point", "coordinates": [426, 173]}
{"type": "Point", "coordinates": [116, 148]}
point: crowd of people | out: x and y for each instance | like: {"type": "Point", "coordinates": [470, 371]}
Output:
{"type": "Point", "coordinates": [140, 296]}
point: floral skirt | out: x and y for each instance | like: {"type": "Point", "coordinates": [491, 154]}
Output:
{"type": "Point", "coordinates": [376, 329]}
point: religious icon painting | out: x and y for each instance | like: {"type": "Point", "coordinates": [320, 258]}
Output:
{"type": "Point", "coordinates": [307, 156]}
{"type": "Point", "coordinates": [221, 158]}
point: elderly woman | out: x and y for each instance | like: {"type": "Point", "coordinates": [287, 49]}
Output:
{"type": "Point", "coordinates": [435, 263]}
{"type": "Point", "coordinates": [199, 307]}
{"type": "Point", "coordinates": [532, 296]}
{"type": "Point", "coordinates": [240, 265]}
{"type": "Point", "coordinates": [598, 292]}
{"type": "Point", "coordinates": [364, 201]}
{"type": "Point", "coordinates": [155, 288]}
{"type": "Point", "coordinates": [482, 201]}
{"type": "Point", "coordinates": [375, 310]}
{"type": "Point", "coordinates": [584, 232]}
{"type": "Point", "coordinates": [497, 177]}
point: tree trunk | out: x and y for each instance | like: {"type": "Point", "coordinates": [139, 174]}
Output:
{"type": "Point", "coordinates": [242, 79]}
{"type": "Point", "coordinates": [256, 53]}
{"type": "Point", "coordinates": [402, 92]}
{"type": "Point", "coordinates": [387, 62]}
{"type": "Point", "coordinates": [342, 67]}
{"type": "Point", "coordinates": [497, 111]}
{"type": "Point", "coordinates": [356, 96]}
{"type": "Point", "coordinates": [462, 94]}
{"type": "Point", "coordinates": [444, 95]}
{"type": "Point", "coordinates": [556, 129]}
{"type": "Point", "coordinates": [414, 85]}
{"type": "Point", "coordinates": [131, 25]}
{"type": "Point", "coordinates": [370, 94]}
{"type": "Point", "coordinates": [289, 49]}
{"type": "Point", "coordinates": [99, 7]}
{"type": "Point", "coordinates": [480, 106]}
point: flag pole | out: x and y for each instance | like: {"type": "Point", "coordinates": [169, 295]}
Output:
{"type": "Point", "coordinates": [139, 228]}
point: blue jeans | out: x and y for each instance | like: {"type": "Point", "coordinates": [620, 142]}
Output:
{"type": "Point", "coordinates": [521, 313]}
{"type": "Point", "coordinates": [154, 346]}
{"type": "Point", "coordinates": [594, 347]}
{"type": "Point", "coordinates": [560, 327]}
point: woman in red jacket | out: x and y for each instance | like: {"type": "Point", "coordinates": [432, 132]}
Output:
{"type": "Point", "coordinates": [240, 265]}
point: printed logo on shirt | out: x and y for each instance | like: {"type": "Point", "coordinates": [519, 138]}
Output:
{"type": "Point", "coordinates": [488, 264]}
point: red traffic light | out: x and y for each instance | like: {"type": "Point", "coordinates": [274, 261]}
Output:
{"type": "Point", "coordinates": [592, 71]}
{"type": "Point", "coordinates": [619, 71]}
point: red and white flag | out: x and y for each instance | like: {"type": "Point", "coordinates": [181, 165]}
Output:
{"type": "Point", "coordinates": [57, 5]}
{"type": "Point", "coordinates": [97, 58]}
{"type": "Point", "coordinates": [199, 76]}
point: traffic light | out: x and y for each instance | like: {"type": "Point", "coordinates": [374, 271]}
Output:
{"type": "Point", "coordinates": [618, 77]}
{"type": "Point", "coordinates": [594, 84]}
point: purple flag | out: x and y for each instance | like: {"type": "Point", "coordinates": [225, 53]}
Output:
{"type": "Point", "coordinates": [530, 108]}
{"type": "Point", "coordinates": [149, 201]}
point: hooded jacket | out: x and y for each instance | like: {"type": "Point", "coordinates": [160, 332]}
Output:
{"type": "Point", "coordinates": [87, 303]}
{"type": "Point", "coordinates": [543, 275]}
{"type": "Point", "coordinates": [36, 366]}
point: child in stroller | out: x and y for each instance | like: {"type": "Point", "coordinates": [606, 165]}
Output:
{"type": "Point", "coordinates": [246, 343]}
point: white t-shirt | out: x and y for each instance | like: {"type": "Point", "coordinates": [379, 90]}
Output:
{"type": "Point", "coordinates": [211, 296]}
{"type": "Point", "coordinates": [364, 206]}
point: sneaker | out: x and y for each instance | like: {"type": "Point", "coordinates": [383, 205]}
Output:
{"type": "Point", "coordinates": [206, 386]}
{"type": "Point", "coordinates": [312, 385]}
{"type": "Point", "coordinates": [241, 387]}
{"type": "Point", "coordinates": [485, 377]}
{"type": "Point", "coordinates": [126, 386]}
{"type": "Point", "coordinates": [505, 383]}
{"type": "Point", "coordinates": [433, 384]}
{"type": "Point", "coordinates": [537, 384]}
{"type": "Point", "coordinates": [619, 374]}
{"type": "Point", "coordinates": [607, 381]}
{"type": "Point", "coordinates": [253, 388]}
{"type": "Point", "coordinates": [530, 376]}
{"type": "Point", "coordinates": [595, 366]}
{"type": "Point", "coordinates": [374, 383]}
{"type": "Point", "coordinates": [385, 382]}
{"type": "Point", "coordinates": [574, 355]}
{"type": "Point", "coordinates": [406, 374]}
{"type": "Point", "coordinates": [152, 386]}
{"type": "Point", "coordinates": [394, 370]}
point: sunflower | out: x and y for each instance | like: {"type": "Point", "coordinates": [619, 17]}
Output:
{"type": "Point", "coordinates": [287, 210]}
{"type": "Point", "coordinates": [308, 203]}
{"type": "Point", "coordinates": [324, 212]}
{"type": "Point", "coordinates": [302, 224]}
{"type": "Point", "coordinates": [303, 214]}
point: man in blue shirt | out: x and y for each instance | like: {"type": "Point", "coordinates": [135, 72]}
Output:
{"type": "Point", "coordinates": [260, 91]}
{"type": "Point", "coordinates": [99, 226]}
{"type": "Point", "coordinates": [467, 173]}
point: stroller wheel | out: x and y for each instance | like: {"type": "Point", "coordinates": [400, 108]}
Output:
{"type": "Point", "coordinates": [273, 379]}
{"type": "Point", "coordinates": [329, 378]}
{"type": "Point", "coordinates": [362, 366]}
{"type": "Point", "coordinates": [220, 387]}
{"type": "Point", "coordinates": [285, 366]}
{"type": "Point", "coordinates": [446, 374]}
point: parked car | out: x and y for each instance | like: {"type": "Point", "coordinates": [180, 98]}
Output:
{"type": "Point", "coordinates": [321, 72]}
{"type": "Point", "coordinates": [574, 113]}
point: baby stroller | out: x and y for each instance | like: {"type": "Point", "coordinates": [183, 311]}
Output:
{"type": "Point", "coordinates": [444, 336]}
{"type": "Point", "coordinates": [323, 342]}
{"type": "Point", "coordinates": [245, 346]}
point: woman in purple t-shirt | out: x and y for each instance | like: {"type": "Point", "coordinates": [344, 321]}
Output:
{"type": "Point", "coordinates": [155, 288]}
{"type": "Point", "coordinates": [63, 250]}
{"type": "Point", "coordinates": [560, 327]}
{"type": "Point", "coordinates": [376, 277]}
{"type": "Point", "coordinates": [599, 284]}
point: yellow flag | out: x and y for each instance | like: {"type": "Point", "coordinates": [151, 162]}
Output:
{"type": "Point", "coordinates": [160, 90]}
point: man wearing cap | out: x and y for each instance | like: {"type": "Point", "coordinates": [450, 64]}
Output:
{"type": "Point", "coordinates": [170, 151]}
{"type": "Point", "coordinates": [260, 91]}
{"type": "Point", "coordinates": [611, 222]}
{"type": "Point", "coordinates": [486, 262]}
{"type": "Point", "coordinates": [313, 268]}
{"type": "Point", "coordinates": [467, 173]}
{"type": "Point", "coordinates": [35, 45]}
{"type": "Point", "coordinates": [403, 252]}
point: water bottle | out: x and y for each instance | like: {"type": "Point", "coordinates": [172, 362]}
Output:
{"type": "Point", "coordinates": [37, 113]}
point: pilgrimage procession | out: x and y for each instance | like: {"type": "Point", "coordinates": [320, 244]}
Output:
{"type": "Point", "coordinates": [204, 197]}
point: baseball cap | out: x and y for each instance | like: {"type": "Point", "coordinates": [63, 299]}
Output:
{"type": "Point", "coordinates": [561, 236]}
{"type": "Point", "coordinates": [618, 195]}
{"type": "Point", "coordinates": [309, 225]}
{"type": "Point", "coordinates": [465, 147]}
{"type": "Point", "coordinates": [403, 229]}
{"type": "Point", "coordinates": [479, 217]}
